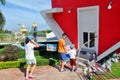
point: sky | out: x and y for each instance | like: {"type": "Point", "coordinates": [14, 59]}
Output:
{"type": "Point", "coordinates": [24, 12]}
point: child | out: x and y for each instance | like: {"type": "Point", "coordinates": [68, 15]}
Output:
{"type": "Point", "coordinates": [30, 58]}
{"type": "Point", "coordinates": [72, 53]}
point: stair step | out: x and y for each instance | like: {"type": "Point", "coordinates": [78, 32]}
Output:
{"type": "Point", "coordinates": [82, 60]}
{"type": "Point", "coordinates": [81, 65]}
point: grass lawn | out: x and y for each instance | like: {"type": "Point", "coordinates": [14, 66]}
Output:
{"type": "Point", "coordinates": [116, 69]}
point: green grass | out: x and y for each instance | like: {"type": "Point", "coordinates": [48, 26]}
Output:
{"type": "Point", "coordinates": [116, 69]}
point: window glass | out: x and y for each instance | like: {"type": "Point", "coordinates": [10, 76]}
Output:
{"type": "Point", "coordinates": [85, 38]}
{"type": "Point", "coordinates": [89, 37]}
{"type": "Point", "coordinates": [92, 38]}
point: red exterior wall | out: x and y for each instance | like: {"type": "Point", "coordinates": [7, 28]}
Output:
{"type": "Point", "coordinates": [109, 20]}
{"type": "Point", "coordinates": [118, 51]}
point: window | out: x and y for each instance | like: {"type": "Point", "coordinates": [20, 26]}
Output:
{"type": "Point", "coordinates": [89, 39]}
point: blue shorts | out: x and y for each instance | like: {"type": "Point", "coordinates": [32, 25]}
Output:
{"type": "Point", "coordinates": [67, 56]}
{"type": "Point", "coordinates": [62, 56]}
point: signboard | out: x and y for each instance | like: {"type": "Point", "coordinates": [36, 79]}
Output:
{"type": "Point", "coordinates": [51, 47]}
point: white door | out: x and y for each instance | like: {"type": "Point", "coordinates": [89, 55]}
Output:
{"type": "Point", "coordinates": [88, 28]}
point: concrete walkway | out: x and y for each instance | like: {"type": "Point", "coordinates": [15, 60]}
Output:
{"type": "Point", "coordinates": [41, 73]}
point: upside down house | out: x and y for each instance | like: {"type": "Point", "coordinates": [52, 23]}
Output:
{"type": "Point", "coordinates": [96, 22]}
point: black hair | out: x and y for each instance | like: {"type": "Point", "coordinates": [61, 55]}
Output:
{"type": "Point", "coordinates": [64, 34]}
{"type": "Point", "coordinates": [27, 40]}
{"type": "Point", "coordinates": [71, 47]}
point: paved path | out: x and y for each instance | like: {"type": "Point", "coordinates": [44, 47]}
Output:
{"type": "Point", "coordinates": [41, 73]}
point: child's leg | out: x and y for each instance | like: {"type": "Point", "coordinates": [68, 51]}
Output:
{"type": "Point", "coordinates": [74, 67]}
{"type": "Point", "coordinates": [74, 64]}
{"type": "Point", "coordinates": [27, 70]}
{"type": "Point", "coordinates": [33, 68]}
{"type": "Point", "coordinates": [71, 63]}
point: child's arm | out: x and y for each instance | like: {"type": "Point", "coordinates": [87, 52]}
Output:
{"type": "Point", "coordinates": [35, 43]}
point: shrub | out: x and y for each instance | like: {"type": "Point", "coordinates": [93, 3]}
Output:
{"type": "Point", "coordinates": [11, 53]}
{"type": "Point", "coordinates": [41, 62]}
{"type": "Point", "coordinates": [21, 53]}
{"type": "Point", "coordinates": [21, 63]}
{"type": "Point", "coordinates": [11, 64]}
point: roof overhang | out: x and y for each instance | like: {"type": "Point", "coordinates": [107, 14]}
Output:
{"type": "Point", "coordinates": [48, 17]}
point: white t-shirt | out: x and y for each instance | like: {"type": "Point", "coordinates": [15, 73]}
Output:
{"type": "Point", "coordinates": [72, 53]}
{"type": "Point", "coordinates": [29, 50]}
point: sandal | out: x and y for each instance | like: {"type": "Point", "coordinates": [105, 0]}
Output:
{"type": "Point", "coordinates": [31, 77]}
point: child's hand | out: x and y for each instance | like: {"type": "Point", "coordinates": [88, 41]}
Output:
{"type": "Point", "coordinates": [35, 43]}
{"type": "Point", "coordinates": [32, 40]}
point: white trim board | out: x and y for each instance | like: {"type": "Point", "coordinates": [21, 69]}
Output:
{"type": "Point", "coordinates": [47, 15]}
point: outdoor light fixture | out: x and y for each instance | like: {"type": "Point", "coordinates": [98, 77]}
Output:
{"type": "Point", "coordinates": [69, 10]}
{"type": "Point", "coordinates": [110, 5]}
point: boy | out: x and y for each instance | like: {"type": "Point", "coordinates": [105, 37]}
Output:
{"type": "Point", "coordinates": [72, 53]}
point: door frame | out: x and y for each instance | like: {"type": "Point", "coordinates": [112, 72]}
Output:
{"type": "Point", "coordinates": [80, 40]}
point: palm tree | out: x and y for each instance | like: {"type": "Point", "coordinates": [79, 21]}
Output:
{"type": "Point", "coordinates": [2, 18]}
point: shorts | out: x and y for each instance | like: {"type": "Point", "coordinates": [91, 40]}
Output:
{"type": "Point", "coordinates": [62, 56]}
{"type": "Point", "coordinates": [67, 56]}
{"type": "Point", "coordinates": [31, 61]}
{"type": "Point", "coordinates": [73, 62]}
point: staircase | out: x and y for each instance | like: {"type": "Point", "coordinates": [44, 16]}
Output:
{"type": "Point", "coordinates": [82, 64]}
{"type": "Point", "coordinates": [108, 75]}
{"type": "Point", "coordinates": [83, 61]}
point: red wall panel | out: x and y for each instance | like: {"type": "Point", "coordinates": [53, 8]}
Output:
{"type": "Point", "coordinates": [109, 20]}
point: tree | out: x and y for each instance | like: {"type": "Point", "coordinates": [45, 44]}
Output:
{"type": "Point", "coordinates": [2, 21]}
{"type": "Point", "coordinates": [2, 18]}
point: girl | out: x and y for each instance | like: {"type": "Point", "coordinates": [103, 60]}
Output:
{"type": "Point", "coordinates": [30, 58]}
